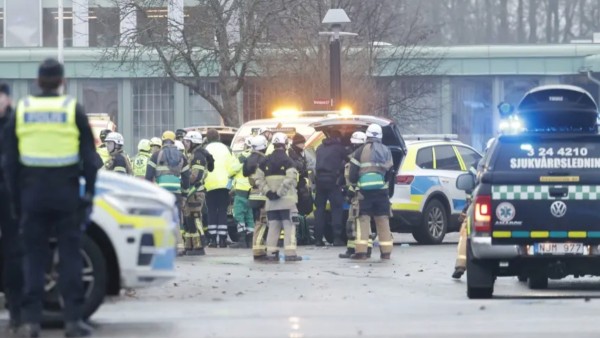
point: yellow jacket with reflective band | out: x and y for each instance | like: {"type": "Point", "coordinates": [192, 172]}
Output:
{"type": "Point", "coordinates": [240, 182]}
{"type": "Point", "coordinates": [103, 152]}
{"type": "Point", "coordinates": [47, 131]}
{"type": "Point", "coordinates": [140, 164]}
{"type": "Point", "coordinates": [219, 177]}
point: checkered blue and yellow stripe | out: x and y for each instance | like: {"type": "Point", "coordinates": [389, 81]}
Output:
{"type": "Point", "coordinates": [542, 192]}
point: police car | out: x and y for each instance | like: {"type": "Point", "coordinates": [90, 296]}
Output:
{"type": "Point", "coordinates": [535, 209]}
{"type": "Point", "coordinates": [426, 201]}
{"type": "Point", "coordinates": [130, 243]}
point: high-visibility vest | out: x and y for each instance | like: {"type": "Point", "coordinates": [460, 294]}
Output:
{"type": "Point", "coordinates": [47, 132]}
{"type": "Point", "coordinates": [140, 164]}
{"type": "Point", "coordinates": [103, 152]}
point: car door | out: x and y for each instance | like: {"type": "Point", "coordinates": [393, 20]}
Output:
{"type": "Point", "coordinates": [448, 167]}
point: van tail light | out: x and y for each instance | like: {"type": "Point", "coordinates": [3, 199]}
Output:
{"type": "Point", "coordinates": [483, 214]}
{"type": "Point", "coordinates": [404, 179]}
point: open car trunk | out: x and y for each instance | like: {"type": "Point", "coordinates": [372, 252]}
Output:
{"type": "Point", "coordinates": [348, 125]}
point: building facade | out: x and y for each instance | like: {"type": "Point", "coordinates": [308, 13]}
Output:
{"type": "Point", "coordinates": [465, 88]}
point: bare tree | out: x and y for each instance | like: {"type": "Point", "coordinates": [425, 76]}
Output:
{"type": "Point", "coordinates": [218, 39]}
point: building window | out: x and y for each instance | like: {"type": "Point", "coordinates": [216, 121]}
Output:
{"type": "Point", "coordinates": [100, 97]}
{"type": "Point", "coordinates": [153, 108]}
{"type": "Point", "coordinates": [50, 26]}
{"type": "Point", "coordinates": [104, 27]}
{"type": "Point", "coordinates": [152, 25]}
{"type": "Point", "coordinates": [197, 26]}
{"type": "Point", "coordinates": [200, 112]}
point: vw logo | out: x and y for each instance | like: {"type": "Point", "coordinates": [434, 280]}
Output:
{"type": "Point", "coordinates": [558, 209]}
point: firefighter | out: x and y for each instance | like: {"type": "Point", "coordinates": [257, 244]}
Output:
{"type": "Point", "coordinates": [170, 170]}
{"type": "Point", "coordinates": [140, 162]}
{"type": "Point", "coordinates": [118, 161]}
{"type": "Point", "coordinates": [257, 199]}
{"type": "Point", "coordinates": [48, 144]}
{"type": "Point", "coordinates": [242, 212]}
{"type": "Point", "coordinates": [201, 162]}
{"type": "Point", "coordinates": [180, 134]}
{"type": "Point", "coordinates": [372, 169]}
{"type": "Point", "coordinates": [279, 186]}
{"type": "Point", "coordinates": [358, 139]}
{"type": "Point", "coordinates": [155, 144]}
{"type": "Point", "coordinates": [102, 151]}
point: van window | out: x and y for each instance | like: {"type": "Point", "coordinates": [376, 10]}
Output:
{"type": "Point", "coordinates": [445, 158]}
{"type": "Point", "coordinates": [425, 158]}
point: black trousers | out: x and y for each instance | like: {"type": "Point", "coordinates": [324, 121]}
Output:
{"type": "Point", "coordinates": [37, 229]}
{"type": "Point", "coordinates": [12, 253]}
{"type": "Point", "coordinates": [335, 196]}
{"type": "Point", "coordinates": [217, 202]}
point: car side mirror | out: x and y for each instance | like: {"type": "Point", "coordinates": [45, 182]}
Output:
{"type": "Point", "coordinates": [465, 182]}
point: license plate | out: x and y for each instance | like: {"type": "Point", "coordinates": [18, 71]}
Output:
{"type": "Point", "coordinates": [559, 249]}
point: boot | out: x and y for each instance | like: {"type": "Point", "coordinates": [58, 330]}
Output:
{"type": "Point", "coordinates": [369, 251]}
{"type": "Point", "coordinates": [293, 258]}
{"type": "Point", "coordinates": [359, 256]}
{"type": "Point", "coordinates": [197, 249]}
{"type": "Point", "coordinates": [260, 258]}
{"type": "Point", "coordinates": [385, 256]}
{"type": "Point", "coordinates": [458, 272]}
{"type": "Point", "coordinates": [212, 241]}
{"type": "Point", "coordinates": [222, 241]}
{"type": "Point", "coordinates": [319, 243]}
{"type": "Point", "coordinates": [77, 329]}
{"type": "Point", "coordinates": [188, 245]}
{"type": "Point", "coordinates": [242, 241]}
{"type": "Point", "coordinates": [273, 257]}
{"type": "Point", "coordinates": [30, 330]}
{"type": "Point", "coordinates": [349, 252]}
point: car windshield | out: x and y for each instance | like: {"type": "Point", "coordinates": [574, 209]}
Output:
{"type": "Point", "coordinates": [287, 127]}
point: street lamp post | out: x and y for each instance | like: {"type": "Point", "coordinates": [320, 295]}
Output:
{"type": "Point", "coordinates": [335, 18]}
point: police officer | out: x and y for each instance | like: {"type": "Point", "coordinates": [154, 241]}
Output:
{"type": "Point", "coordinates": [170, 170]}
{"type": "Point", "coordinates": [358, 139]}
{"type": "Point", "coordinates": [201, 162]}
{"type": "Point", "coordinates": [140, 161]}
{"type": "Point", "coordinates": [331, 157]}
{"type": "Point", "coordinates": [242, 212]}
{"type": "Point", "coordinates": [155, 144]}
{"type": "Point", "coordinates": [371, 169]}
{"type": "Point", "coordinates": [9, 227]}
{"type": "Point", "coordinates": [102, 151]}
{"type": "Point", "coordinates": [118, 161]}
{"type": "Point", "coordinates": [217, 194]}
{"type": "Point", "coordinates": [48, 144]}
{"type": "Point", "coordinates": [279, 186]}
{"type": "Point", "coordinates": [256, 199]}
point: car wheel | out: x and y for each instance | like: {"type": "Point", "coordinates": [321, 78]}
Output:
{"type": "Point", "coordinates": [537, 282]}
{"type": "Point", "coordinates": [480, 277]}
{"type": "Point", "coordinates": [434, 225]}
{"type": "Point", "coordinates": [94, 283]}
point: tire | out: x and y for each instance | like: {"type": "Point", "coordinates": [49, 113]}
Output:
{"type": "Point", "coordinates": [537, 282]}
{"type": "Point", "coordinates": [95, 281]}
{"type": "Point", "coordinates": [434, 225]}
{"type": "Point", "coordinates": [480, 277]}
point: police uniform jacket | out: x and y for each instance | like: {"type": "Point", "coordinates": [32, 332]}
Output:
{"type": "Point", "coordinates": [50, 189]}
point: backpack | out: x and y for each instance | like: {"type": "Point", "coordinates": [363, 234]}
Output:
{"type": "Point", "coordinates": [172, 158]}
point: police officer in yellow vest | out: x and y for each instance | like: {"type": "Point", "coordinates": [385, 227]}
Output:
{"type": "Point", "coordinates": [140, 161]}
{"type": "Point", "coordinates": [371, 168]}
{"type": "Point", "coordinates": [49, 144]}
{"type": "Point", "coordinates": [102, 151]}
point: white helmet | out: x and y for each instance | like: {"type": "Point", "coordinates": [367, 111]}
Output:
{"type": "Point", "coordinates": [144, 145]}
{"type": "Point", "coordinates": [263, 130]}
{"type": "Point", "coordinates": [156, 141]}
{"type": "Point", "coordinates": [258, 142]}
{"type": "Point", "coordinates": [358, 137]}
{"type": "Point", "coordinates": [375, 131]}
{"type": "Point", "coordinates": [194, 137]}
{"type": "Point", "coordinates": [279, 138]}
{"type": "Point", "coordinates": [116, 138]}
{"type": "Point", "coordinates": [179, 145]}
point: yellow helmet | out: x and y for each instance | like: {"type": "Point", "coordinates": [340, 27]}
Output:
{"type": "Point", "coordinates": [168, 135]}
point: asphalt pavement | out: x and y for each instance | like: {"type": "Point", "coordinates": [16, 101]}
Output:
{"type": "Point", "coordinates": [226, 294]}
